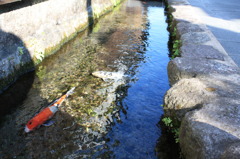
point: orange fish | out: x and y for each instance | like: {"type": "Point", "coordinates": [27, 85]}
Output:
{"type": "Point", "coordinates": [46, 113]}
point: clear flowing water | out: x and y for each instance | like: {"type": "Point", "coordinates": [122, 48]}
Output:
{"type": "Point", "coordinates": [114, 117]}
{"type": "Point", "coordinates": [138, 132]}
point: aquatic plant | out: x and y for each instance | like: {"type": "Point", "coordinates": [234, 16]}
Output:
{"type": "Point", "coordinates": [172, 127]}
{"type": "Point", "coordinates": [167, 121]}
{"type": "Point", "coordinates": [41, 72]}
{"type": "Point", "coordinates": [176, 49]}
{"type": "Point", "coordinates": [174, 42]}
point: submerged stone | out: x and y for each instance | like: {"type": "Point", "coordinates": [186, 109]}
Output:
{"type": "Point", "coordinates": [108, 75]}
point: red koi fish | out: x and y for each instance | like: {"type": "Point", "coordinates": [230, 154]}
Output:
{"type": "Point", "coordinates": [46, 113]}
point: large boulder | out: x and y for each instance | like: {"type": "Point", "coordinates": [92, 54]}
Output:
{"type": "Point", "coordinates": [210, 131]}
{"type": "Point", "coordinates": [189, 94]}
{"type": "Point", "coordinates": [14, 59]}
{"type": "Point", "coordinates": [185, 96]}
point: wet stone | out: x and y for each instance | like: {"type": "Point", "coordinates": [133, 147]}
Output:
{"type": "Point", "coordinates": [201, 51]}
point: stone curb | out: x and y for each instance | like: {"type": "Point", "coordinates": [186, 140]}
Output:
{"type": "Point", "coordinates": [205, 90]}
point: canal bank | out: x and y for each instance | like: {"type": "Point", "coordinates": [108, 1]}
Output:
{"type": "Point", "coordinates": [30, 34]}
{"type": "Point", "coordinates": [204, 95]}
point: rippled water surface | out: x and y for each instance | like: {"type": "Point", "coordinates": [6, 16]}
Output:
{"type": "Point", "coordinates": [107, 117]}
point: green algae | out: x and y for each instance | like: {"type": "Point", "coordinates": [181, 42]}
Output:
{"type": "Point", "coordinates": [11, 78]}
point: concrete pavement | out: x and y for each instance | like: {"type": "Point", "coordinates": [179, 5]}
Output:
{"type": "Point", "coordinates": [223, 19]}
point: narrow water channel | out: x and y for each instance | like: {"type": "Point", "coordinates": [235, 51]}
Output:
{"type": "Point", "coordinates": [114, 116]}
{"type": "Point", "coordinates": [138, 132]}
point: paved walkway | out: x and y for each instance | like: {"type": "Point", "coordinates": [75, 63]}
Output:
{"type": "Point", "coordinates": [222, 17]}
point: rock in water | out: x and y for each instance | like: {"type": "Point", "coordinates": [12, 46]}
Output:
{"type": "Point", "coordinates": [108, 75]}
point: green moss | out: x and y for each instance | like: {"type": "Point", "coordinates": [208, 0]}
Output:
{"type": "Point", "coordinates": [51, 50]}
{"type": "Point", "coordinates": [41, 72]}
{"type": "Point", "coordinates": [173, 127]}
{"type": "Point", "coordinates": [96, 28]}
{"type": "Point", "coordinates": [97, 12]}
{"type": "Point", "coordinates": [20, 51]}
{"type": "Point", "coordinates": [24, 68]}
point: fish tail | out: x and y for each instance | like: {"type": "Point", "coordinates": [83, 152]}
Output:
{"type": "Point", "coordinates": [60, 100]}
{"type": "Point", "coordinates": [70, 91]}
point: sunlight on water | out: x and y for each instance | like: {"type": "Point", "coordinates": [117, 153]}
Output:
{"type": "Point", "coordinates": [119, 71]}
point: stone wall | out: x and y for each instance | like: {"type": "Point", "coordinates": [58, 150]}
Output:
{"type": "Point", "coordinates": [205, 90]}
{"type": "Point", "coordinates": [29, 34]}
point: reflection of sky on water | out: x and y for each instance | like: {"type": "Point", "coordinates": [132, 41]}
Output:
{"type": "Point", "coordinates": [136, 136]}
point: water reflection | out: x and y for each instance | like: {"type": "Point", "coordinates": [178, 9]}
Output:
{"type": "Point", "coordinates": [136, 134]}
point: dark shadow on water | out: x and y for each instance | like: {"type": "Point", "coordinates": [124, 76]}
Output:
{"type": "Point", "coordinates": [15, 94]}
{"type": "Point", "coordinates": [55, 141]}
{"type": "Point", "coordinates": [166, 147]}
{"type": "Point", "coordinates": [13, 52]}
{"type": "Point", "coordinates": [14, 90]}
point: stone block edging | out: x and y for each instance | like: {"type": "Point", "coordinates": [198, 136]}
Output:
{"type": "Point", "coordinates": [205, 89]}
